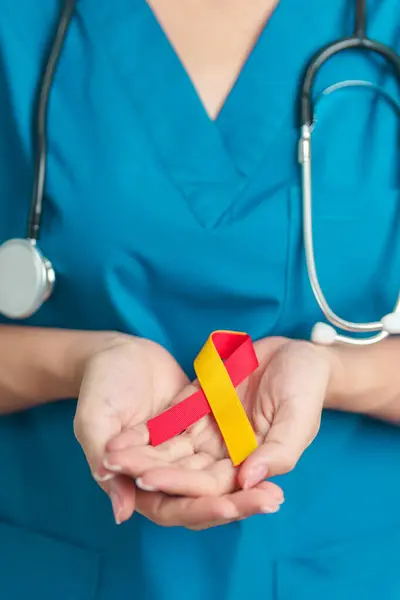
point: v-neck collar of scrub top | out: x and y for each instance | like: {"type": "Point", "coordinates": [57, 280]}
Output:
{"type": "Point", "coordinates": [209, 161]}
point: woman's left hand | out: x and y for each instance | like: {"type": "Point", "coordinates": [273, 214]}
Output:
{"type": "Point", "coordinates": [284, 400]}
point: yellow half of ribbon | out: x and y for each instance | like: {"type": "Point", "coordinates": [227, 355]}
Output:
{"type": "Point", "coordinates": [225, 403]}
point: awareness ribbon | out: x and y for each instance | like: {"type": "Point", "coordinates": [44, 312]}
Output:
{"type": "Point", "coordinates": [225, 361]}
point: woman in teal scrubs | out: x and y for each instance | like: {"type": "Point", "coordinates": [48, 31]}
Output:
{"type": "Point", "coordinates": [173, 209]}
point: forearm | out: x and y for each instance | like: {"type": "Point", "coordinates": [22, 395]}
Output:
{"type": "Point", "coordinates": [41, 365]}
{"type": "Point", "coordinates": [366, 380]}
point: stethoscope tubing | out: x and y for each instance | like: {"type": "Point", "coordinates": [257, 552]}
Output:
{"type": "Point", "coordinates": [359, 41]}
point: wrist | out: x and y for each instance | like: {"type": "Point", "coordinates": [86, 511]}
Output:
{"type": "Point", "coordinates": [338, 386]}
{"type": "Point", "coordinates": [81, 348]}
{"type": "Point", "coordinates": [41, 365]}
{"type": "Point", "coordinates": [355, 384]}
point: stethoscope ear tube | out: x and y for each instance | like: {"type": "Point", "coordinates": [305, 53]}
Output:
{"type": "Point", "coordinates": [325, 54]}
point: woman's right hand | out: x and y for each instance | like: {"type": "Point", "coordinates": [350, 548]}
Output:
{"type": "Point", "coordinates": [125, 383]}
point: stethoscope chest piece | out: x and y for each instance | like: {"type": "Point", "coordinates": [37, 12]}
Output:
{"type": "Point", "coordinates": [26, 278]}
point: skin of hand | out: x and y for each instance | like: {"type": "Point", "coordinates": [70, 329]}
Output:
{"type": "Point", "coordinates": [123, 386]}
{"type": "Point", "coordinates": [284, 400]}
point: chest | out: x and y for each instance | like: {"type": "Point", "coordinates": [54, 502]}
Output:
{"type": "Point", "coordinates": [153, 209]}
{"type": "Point", "coordinates": [213, 40]}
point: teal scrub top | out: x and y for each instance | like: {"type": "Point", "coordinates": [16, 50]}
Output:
{"type": "Point", "coordinates": [166, 225]}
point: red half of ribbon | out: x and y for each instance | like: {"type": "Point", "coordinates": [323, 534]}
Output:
{"type": "Point", "coordinates": [240, 361]}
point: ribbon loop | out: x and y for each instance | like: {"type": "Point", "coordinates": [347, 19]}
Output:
{"type": "Point", "coordinates": [225, 361]}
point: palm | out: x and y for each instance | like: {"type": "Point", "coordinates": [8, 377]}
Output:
{"type": "Point", "coordinates": [132, 381]}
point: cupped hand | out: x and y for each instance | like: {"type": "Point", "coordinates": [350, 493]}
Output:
{"type": "Point", "coordinates": [284, 400]}
{"type": "Point", "coordinates": [125, 382]}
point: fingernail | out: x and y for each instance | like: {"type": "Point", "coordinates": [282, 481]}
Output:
{"type": "Point", "coordinates": [102, 478]}
{"type": "Point", "coordinates": [112, 467]}
{"type": "Point", "coordinates": [144, 486]}
{"type": "Point", "coordinates": [231, 512]}
{"type": "Point", "coordinates": [116, 502]}
{"type": "Point", "coordinates": [279, 497]}
{"type": "Point", "coordinates": [269, 509]}
{"type": "Point", "coordinates": [256, 475]}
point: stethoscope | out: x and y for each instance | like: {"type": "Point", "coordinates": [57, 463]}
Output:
{"type": "Point", "coordinates": [27, 277]}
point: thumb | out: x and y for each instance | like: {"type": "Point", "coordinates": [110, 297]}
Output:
{"type": "Point", "coordinates": [295, 388]}
{"type": "Point", "coordinates": [122, 493]}
{"type": "Point", "coordinates": [291, 432]}
{"type": "Point", "coordinates": [94, 426]}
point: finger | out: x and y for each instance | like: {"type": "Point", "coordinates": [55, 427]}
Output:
{"type": "Point", "coordinates": [290, 434]}
{"type": "Point", "coordinates": [93, 428]}
{"type": "Point", "coordinates": [134, 461]}
{"type": "Point", "coordinates": [196, 462]}
{"type": "Point", "coordinates": [168, 511]}
{"type": "Point", "coordinates": [129, 438]}
{"type": "Point", "coordinates": [266, 498]}
{"type": "Point", "coordinates": [218, 479]}
{"type": "Point", "coordinates": [122, 493]}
